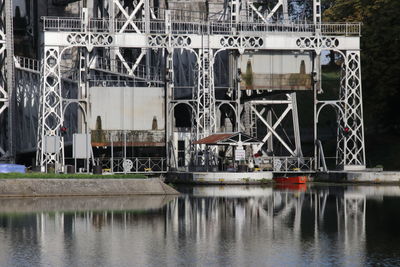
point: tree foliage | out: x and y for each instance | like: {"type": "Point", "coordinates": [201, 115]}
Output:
{"type": "Point", "coordinates": [380, 55]}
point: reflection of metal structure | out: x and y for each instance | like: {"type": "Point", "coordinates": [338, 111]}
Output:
{"type": "Point", "coordinates": [351, 210]}
{"type": "Point", "coordinates": [280, 211]}
{"type": "Point", "coordinates": [130, 67]}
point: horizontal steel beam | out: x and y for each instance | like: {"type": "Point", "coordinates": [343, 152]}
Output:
{"type": "Point", "coordinates": [262, 41]}
{"type": "Point", "coordinates": [201, 27]}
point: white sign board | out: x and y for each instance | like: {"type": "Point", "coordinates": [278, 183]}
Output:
{"type": "Point", "coordinates": [240, 154]}
{"type": "Point", "coordinates": [82, 147]}
{"type": "Point", "coordinates": [52, 144]}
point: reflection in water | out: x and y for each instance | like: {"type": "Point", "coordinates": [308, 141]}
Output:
{"type": "Point", "coordinates": [206, 226]}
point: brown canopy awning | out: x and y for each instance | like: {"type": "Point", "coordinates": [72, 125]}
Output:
{"type": "Point", "coordinates": [228, 139]}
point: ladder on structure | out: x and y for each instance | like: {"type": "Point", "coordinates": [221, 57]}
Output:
{"type": "Point", "coordinates": [250, 120]}
{"type": "Point", "coordinates": [9, 30]}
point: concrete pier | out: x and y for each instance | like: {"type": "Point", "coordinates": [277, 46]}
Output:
{"type": "Point", "coordinates": [84, 187]}
{"type": "Point", "coordinates": [220, 177]}
{"type": "Point", "coordinates": [83, 203]}
{"type": "Point", "coordinates": [367, 176]}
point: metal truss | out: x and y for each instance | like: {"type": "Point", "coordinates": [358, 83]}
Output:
{"type": "Point", "coordinates": [7, 94]}
{"type": "Point", "coordinates": [51, 114]}
{"type": "Point", "coordinates": [135, 25]}
{"type": "Point", "coordinates": [205, 101]}
{"type": "Point", "coordinates": [351, 146]}
{"type": "Point", "coordinates": [4, 97]}
{"type": "Point", "coordinates": [134, 165]}
{"type": "Point", "coordinates": [291, 106]}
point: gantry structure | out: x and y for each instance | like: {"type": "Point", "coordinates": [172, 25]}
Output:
{"type": "Point", "coordinates": [160, 37]}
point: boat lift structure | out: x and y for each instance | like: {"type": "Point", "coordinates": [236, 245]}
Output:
{"type": "Point", "coordinates": [160, 37]}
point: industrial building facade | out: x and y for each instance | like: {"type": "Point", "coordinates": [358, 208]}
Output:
{"type": "Point", "coordinates": [154, 86]}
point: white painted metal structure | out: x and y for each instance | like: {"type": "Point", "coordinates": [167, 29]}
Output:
{"type": "Point", "coordinates": [7, 93]}
{"type": "Point", "coordinates": [105, 30]}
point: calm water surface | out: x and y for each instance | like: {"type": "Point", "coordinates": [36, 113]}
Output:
{"type": "Point", "coordinates": [207, 226]}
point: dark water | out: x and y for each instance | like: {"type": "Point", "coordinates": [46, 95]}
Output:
{"type": "Point", "coordinates": [207, 226]}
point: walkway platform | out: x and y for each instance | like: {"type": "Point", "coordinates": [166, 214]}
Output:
{"type": "Point", "coordinates": [220, 177]}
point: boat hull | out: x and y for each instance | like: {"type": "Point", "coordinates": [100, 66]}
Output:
{"type": "Point", "coordinates": [291, 180]}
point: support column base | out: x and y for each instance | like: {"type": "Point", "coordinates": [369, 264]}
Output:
{"type": "Point", "coordinates": [354, 167]}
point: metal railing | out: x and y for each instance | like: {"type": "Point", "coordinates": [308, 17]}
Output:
{"type": "Point", "coordinates": [182, 15]}
{"type": "Point", "coordinates": [106, 81]}
{"type": "Point", "coordinates": [28, 64]}
{"type": "Point", "coordinates": [120, 67]}
{"type": "Point", "coordinates": [133, 164]}
{"type": "Point", "coordinates": [206, 27]}
{"type": "Point", "coordinates": [62, 24]}
{"type": "Point", "coordinates": [34, 66]}
{"type": "Point", "coordinates": [292, 164]}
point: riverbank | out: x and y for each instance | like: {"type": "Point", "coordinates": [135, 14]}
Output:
{"type": "Point", "coordinates": [83, 187]}
{"type": "Point", "coordinates": [365, 177]}
{"type": "Point", "coordinates": [15, 205]}
{"type": "Point", "coordinates": [40, 175]}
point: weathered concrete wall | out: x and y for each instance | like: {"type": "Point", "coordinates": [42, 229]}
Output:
{"type": "Point", "coordinates": [277, 70]}
{"type": "Point", "coordinates": [81, 203]}
{"type": "Point", "coordinates": [222, 178]}
{"type": "Point", "coordinates": [359, 177]}
{"type": "Point", "coordinates": [84, 187]}
{"type": "Point", "coordinates": [127, 108]}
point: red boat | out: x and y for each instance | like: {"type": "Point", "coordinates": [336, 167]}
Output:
{"type": "Point", "coordinates": [291, 180]}
{"type": "Point", "coordinates": [292, 187]}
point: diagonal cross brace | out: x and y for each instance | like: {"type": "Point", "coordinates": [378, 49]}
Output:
{"type": "Point", "coordinates": [272, 130]}
{"type": "Point", "coordinates": [129, 17]}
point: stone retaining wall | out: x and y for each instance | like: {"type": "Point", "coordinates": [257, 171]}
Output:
{"type": "Point", "coordinates": [84, 187]}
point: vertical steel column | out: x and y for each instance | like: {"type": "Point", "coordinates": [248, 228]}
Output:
{"type": "Point", "coordinates": [169, 94]}
{"type": "Point", "coordinates": [236, 87]}
{"type": "Point", "coordinates": [3, 86]}
{"type": "Point", "coordinates": [147, 31]}
{"type": "Point", "coordinates": [51, 118]}
{"type": "Point", "coordinates": [285, 10]}
{"type": "Point", "coordinates": [235, 10]}
{"type": "Point", "coordinates": [250, 120]}
{"type": "Point", "coordinates": [169, 123]}
{"type": "Point", "coordinates": [10, 74]}
{"type": "Point", "coordinates": [270, 141]}
{"type": "Point", "coordinates": [353, 123]}
{"type": "Point", "coordinates": [317, 89]}
{"type": "Point", "coordinates": [296, 125]}
{"type": "Point", "coordinates": [317, 16]}
{"type": "Point", "coordinates": [340, 143]}
{"type": "Point", "coordinates": [83, 92]}
{"type": "Point", "coordinates": [205, 98]}
{"type": "Point", "coordinates": [7, 92]}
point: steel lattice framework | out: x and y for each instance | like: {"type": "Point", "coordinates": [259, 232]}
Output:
{"type": "Point", "coordinates": [138, 26]}
{"type": "Point", "coordinates": [7, 94]}
{"type": "Point", "coordinates": [51, 110]}
{"type": "Point", "coordinates": [4, 96]}
{"type": "Point", "coordinates": [352, 150]}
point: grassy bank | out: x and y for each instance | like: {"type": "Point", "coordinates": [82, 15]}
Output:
{"type": "Point", "coordinates": [36, 175]}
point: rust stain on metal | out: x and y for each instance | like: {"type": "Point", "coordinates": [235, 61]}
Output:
{"type": "Point", "coordinates": [212, 139]}
{"type": "Point", "coordinates": [288, 81]}
{"type": "Point", "coordinates": [132, 138]}
{"type": "Point", "coordinates": [121, 144]}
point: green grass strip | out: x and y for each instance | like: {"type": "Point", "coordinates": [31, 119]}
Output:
{"type": "Point", "coordinates": [36, 175]}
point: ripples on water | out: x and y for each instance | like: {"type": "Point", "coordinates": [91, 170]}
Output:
{"type": "Point", "coordinates": [207, 226]}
